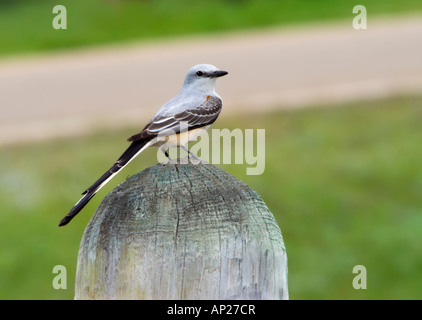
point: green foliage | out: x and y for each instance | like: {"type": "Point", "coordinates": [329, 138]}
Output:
{"type": "Point", "coordinates": [26, 25]}
{"type": "Point", "coordinates": [343, 182]}
{"type": "Point", "coordinates": [344, 185]}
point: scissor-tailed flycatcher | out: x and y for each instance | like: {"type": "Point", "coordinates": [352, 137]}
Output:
{"type": "Point", "coordinates": [197, 105]}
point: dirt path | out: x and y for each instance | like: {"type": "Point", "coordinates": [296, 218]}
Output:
{"type": "Point", "coordinates": [72, 92]}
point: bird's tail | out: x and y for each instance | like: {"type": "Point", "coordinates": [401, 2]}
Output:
{"type": "Point", "coordinates": [134, 149]}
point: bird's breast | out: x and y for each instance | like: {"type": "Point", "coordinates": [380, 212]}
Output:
{"type": "Point", "coordinates": [182, 139]}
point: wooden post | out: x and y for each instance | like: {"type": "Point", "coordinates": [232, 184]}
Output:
{"type": "Point", "coordinates": [182, 231]}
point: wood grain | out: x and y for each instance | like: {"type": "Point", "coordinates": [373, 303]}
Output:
{"type": "Point", "coordinates": [182, 231]}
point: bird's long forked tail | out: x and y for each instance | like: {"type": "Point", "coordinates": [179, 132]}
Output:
{"type": "Point", "coordinates": [134, 149]}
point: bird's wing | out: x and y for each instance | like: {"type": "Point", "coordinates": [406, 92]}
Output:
{"type": "Point", "coordinates": [203, 115]}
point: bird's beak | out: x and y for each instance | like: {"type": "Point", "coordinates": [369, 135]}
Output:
{"type": "Point", "coordinates": [218, 73]}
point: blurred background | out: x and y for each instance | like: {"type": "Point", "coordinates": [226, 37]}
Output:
{"type": "Point", "coordinates": [342, 109]}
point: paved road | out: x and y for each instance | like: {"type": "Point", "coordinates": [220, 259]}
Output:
{"type": "Point", "coordinates": [73, 92]}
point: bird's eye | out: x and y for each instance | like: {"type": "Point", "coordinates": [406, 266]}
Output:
{"type": "Point", "coordinates": [199, 73]}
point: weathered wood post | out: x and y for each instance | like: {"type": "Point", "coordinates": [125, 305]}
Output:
{"type": "Point", "coordinates": [182, 231]}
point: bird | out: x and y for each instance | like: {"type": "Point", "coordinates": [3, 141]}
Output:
{"type": "Point", "coordinates": [195, 107]}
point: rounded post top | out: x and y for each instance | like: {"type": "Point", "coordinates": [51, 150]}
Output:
{"type": "Point", "coordinates": [182, 231]}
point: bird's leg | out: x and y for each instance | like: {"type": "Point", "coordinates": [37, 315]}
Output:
{"type": "Point", "coordinates": [165, 152]}
{"type": "Point", "coordinates": [190, 153]}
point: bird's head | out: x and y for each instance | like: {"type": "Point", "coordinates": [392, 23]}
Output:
{"type": "Point", "coordinates": [202, 77]}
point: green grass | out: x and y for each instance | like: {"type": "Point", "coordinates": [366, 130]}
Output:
{"type": "Point", "coordinates": [26, 25]}
{"type": "Point", "coordinates": [343, 183]}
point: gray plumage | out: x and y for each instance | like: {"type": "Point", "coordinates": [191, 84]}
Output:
{"type": "Point", "coordinates": [197, 105]}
